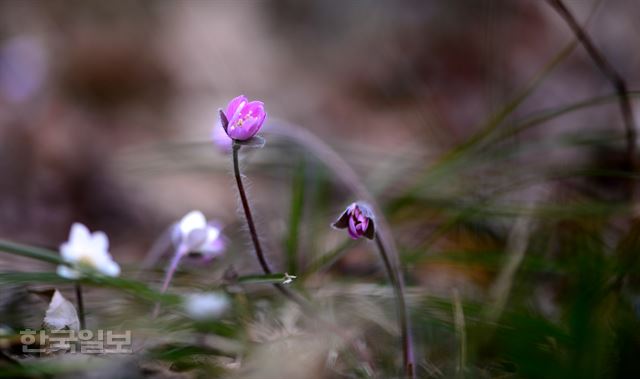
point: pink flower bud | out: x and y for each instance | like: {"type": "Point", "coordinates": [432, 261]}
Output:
{"type": "Point", "coordinates": [243, 119]}
{"type": "Point", "coordinates": [358, 220]}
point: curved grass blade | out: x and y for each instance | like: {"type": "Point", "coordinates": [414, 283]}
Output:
{"type": "Point", "coordinates": [38, 253]}
{"type": "Point", "coordinates": [295, 217]}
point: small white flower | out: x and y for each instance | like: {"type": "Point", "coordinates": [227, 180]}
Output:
{"type": "Point", "coordinates": [193, 234]}
{"type": "Point", "coordinates": [86, 250]}
{"type": "Point", "coordinates": [288, 278]}
{"type": "Point", "coordinates": [201, 306]}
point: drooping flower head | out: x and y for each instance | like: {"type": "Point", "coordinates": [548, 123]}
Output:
{"type": "Point", "coordinates": [86, 251]}
{"type": "Point", "coordinates": [243, 118]}
{"type": "Point", "coordinates": [193, 234]}
{"type": "Point", "coordinates": [358, 220]}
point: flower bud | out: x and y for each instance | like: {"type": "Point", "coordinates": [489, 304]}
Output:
{"type": "Point", "coordinates": [243, 119]}
{"type": "Point", "coordinates": [358, 220]}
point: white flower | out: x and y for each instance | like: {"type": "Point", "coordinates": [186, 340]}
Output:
{"type": "Point", "coordinates": [201, 306]}
{"type": "Point", "coordinates": [86, 250]}
{"type": "Point", "coordinates": [194, 235]}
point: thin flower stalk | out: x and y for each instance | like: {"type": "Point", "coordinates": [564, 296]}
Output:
{"type": "Point", "coordinates": [85, 253]}
{"type": "Point", "coordinates": [359, 221]}
{"type": "Point", "coordinates": [171, 270]}
{"type": "Point", "coordinates": [401, 306]}
{"type": "Point", "coordinates": [173, 266]}
{"type": "Point", "coordinates": [247, 212]}
{"type": "Point", "coordinates": [80, 303]}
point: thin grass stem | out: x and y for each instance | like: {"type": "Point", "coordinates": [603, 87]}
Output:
{"type": "Point", "coordinates": [401, 308]}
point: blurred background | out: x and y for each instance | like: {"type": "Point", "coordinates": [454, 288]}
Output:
{"type": "Point", "coordinates": [486, 134]}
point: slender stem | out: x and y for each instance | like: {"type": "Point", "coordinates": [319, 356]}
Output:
{"type": "Point", "coordinates": [401, 307]}
{"type": "Point", "coordinates": [461, 334]}
{"type": "Point", "coordinates": [306, 308]}
{"type": "Point", "coordinates": [247, 212]}
{"type": "Point", "coordinates": [173, 266]}
{"type": "Point", "coordinates": [254, 233]}
{"type": "Point", "coordinates": [617, 81]}
{"type": "Point", "coordinates": [171, 270]}
{"type": "Point", "coordinates": [80, 305]}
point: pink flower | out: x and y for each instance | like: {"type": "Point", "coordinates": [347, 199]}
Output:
{"type": "Point", "coordinates": [358, 220]}
{"type": "Point", "coordinates": [243, 119]}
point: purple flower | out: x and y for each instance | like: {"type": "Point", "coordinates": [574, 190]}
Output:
{"type": "Point", "coordinates": [243, 119]}
{"type": "Point", "coordinates": [358, 220]}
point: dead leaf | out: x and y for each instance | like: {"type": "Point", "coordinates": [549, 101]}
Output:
{"type": "Point", "coordinates": [61, 314]}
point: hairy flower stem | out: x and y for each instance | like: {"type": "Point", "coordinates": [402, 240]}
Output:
{"type": "Point", "coordinates": [401, 308]}
{"type": "Point", "coordinates": [254, 234]}
{"type": "Point", "coordinates": [247, 212]}
{"type": "Point", "coordinates": [80, 302]}
{"type": "Point", "coordinates": [307, 309]}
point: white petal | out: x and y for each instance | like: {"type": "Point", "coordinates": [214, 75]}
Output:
{"type": "Point", "coordinates": [212, 234]}
{"type": "Point", "coordinates": [70, 253]}
{"type": "Point", "coordinates": [103, 262]}
{"type": "Point", "coordinates": [193, 220]}
{"type": "Point", "coordinates": [67, 272]}
{"type": "Point", "coordinates": [99, 241]}
{"type": "Point", "coordinates": [214, 244]}
{"type": "Point", "coordinates": [79, 235]}
{"type": "Point", "coordinates": [110, 268]}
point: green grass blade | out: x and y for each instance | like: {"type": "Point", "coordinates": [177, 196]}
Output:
{"type": "Point", "coordinates": [295, 217]}
{"type": "Point", "coordinates": [38, 253]}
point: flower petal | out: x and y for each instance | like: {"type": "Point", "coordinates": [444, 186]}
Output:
{"type": "Point", "coordinates": [223, 121]}
{"type": "Point", "coordinates": [343, 221]}
{"type": "Point", "coordinates": [100, 241]}
{"type": "Point", "coordinates": [67, 272]}
{"type": "Point", "coordinates": [232, 108]}
{"type": "Point", "coordinates": [370, 232]}
{"type": "Point", "coordinates": [214, 244]}
{"type": "Point", "coordinates": [212, 233]}
{"type": "Point", "coordinates": [195, 239]}
{"type": "Point", "coordinates": [110, 268]}
{"type": "Point", "coordinates": [240, 133]}
{"type": "Point", "coordinates": [69, 252]}
{"type": "Point", "coordinates": [353, 230]}
{"type": "Point", "coordinates": [254, 108]}
{"type": "Point", "coordinates": [79, 235]}
{"type": "Point", "coordinates": [250, 127]}
{"type": "Point", "coordinates": [192, 220]}
{"type": "Point", "coordinates": [237, 113]}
